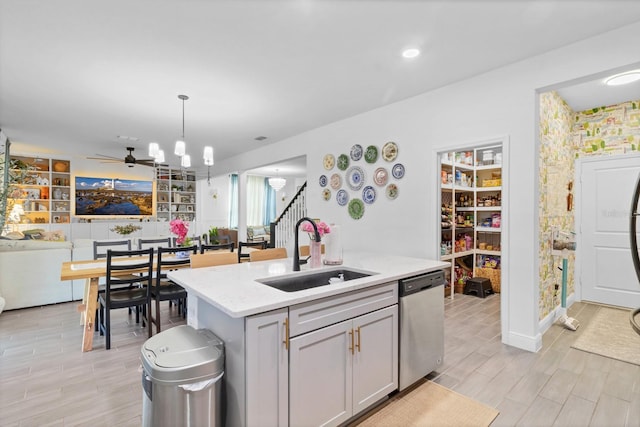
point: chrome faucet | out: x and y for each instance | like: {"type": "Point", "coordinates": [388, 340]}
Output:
{"type": "Point", "coordinates": [296, 250]}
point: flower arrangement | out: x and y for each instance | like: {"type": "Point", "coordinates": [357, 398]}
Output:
{"type": "Point", "coordinates": [323, 228]}
{"type": "Point", "coordinates": [180, 229]}
{"type": "Point", "coordinates": [125, 230]}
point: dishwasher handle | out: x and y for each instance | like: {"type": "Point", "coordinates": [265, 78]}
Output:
{"type": "Point", "coordinates": [420, 283]}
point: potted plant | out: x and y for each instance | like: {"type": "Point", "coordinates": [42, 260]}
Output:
{"type": "Point", "coordinates": [213, 236]}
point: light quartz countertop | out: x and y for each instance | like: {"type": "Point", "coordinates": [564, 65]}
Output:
{"type": "Point", "coordinates": [234, 289]}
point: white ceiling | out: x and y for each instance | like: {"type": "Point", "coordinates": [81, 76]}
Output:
{"type": "Point", "coordinates": [76, 74]}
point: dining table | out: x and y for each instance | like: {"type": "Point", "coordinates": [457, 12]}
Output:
{"type": "Point", "coordinates": [92, 271]}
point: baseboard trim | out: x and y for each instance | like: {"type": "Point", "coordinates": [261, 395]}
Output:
{"type": "Point", "coordinates": [524, 342]}
{"type": "Point", "coordinates": [550, 318]}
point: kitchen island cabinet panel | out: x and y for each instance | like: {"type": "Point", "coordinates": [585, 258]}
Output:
{"type": "Point", "coordinates": [267, 369]}
{"type": "Point", "coordinates": [321, 376]}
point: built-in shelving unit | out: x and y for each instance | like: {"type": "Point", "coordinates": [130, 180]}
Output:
{"type": "Point", "coordinates": [41, 186]}
{"type": "Point", "coordinates": [471, 212]}
{"type": "Point", "coordinates": [176, 194]}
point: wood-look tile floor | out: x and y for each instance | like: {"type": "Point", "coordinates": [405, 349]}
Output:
{"type": "Point", "coordinates": [558, 386]}
{"type": "Point", "coordinates": [45, 380]}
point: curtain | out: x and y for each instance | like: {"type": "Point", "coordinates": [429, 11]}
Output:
{"type": "Point", "coordinates": [255, 200]}
{"type": "Point", "coordinates": [269, 203]}
{"type": "Point", "coordinates": [233, 201]}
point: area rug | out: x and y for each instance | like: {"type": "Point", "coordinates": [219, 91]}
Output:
{"type": "Point", "coordinates": [609, 334]}
{"type": "Point", "coordinates": [431, 404]}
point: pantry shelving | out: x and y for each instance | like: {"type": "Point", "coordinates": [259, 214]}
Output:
{"type": "Point", "coordinates": [471, 212]}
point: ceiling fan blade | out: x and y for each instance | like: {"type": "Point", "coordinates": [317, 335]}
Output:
{"type": "Point", "coordinates": [104, 157]}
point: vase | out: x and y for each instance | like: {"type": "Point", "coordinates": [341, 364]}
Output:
{"type": "Point", "coordinates": [315, 251]}
{"type": "Point", "coordinates": [333, 246]}
{"type": "Point", "coordinates": [182, 254]}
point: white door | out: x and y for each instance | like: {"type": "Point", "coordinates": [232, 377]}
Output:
{"type": "Point", "coordinates": [606, 270]}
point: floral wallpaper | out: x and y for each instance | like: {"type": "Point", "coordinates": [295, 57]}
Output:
{"type": "Point", "coordinates": [608, 130]}
{"type": "Point", "coordinates": [557, 155]}
{"type": "Point", "coordinates": [564, 136]}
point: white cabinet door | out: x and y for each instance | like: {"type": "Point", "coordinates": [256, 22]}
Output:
{"type": "Point", "coordinates": [375, 361]}
{"type": "Point", "coordinates": [321, 376]}
{"type": "Point", "coordinates": [267, 369]}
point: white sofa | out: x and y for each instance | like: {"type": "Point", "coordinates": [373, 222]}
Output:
{"type": "Point", "coordinates": [30, 273]}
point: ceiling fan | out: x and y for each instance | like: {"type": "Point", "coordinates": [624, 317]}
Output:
{"type": "Point", "coordinates": [129, 160]}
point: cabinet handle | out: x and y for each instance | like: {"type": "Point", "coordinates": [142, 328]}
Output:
{"type": "Point", "coordinates": [351, 335]}
{"type": "Point", "coordinates": [286, 333]}
{"type": "Point", "coordinates": [358, 342]}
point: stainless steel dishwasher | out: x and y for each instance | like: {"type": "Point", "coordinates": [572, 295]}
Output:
{"type": "Point", "coordinates": [421, 326]}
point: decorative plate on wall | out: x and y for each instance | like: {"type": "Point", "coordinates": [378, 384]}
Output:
{"type": "Point", "coordinates": [380, 177]}
{"type": "Point", "coordinates": [390, 151]}
{"type": "Point", "coordinates": [328, 162]}
{"type": "Point", "coordinates": [369, 194]}
{"type": "Point", "coordinates": [342, 197]}
{"type": "Point", "coordinates": [355, 178]}
{"type": "Point", "coordinates": [336, 181]}
{"type": "Point", "coordinates": [323, 180]}
{"type": "Point", "coordinates": [326, 194]}
{"type": "Point", "coordinates": [371, 155]}
{"type": "Point", "coordinates": [356, 208]}
{"type": "Point", "coordinates": [343, 162]}
{"type": "Point", "coordinates": [397, 171]}
{"type": "Point", "coordinates": [392, 191]}
{"type": "Point", "coordinates": [356, 152]}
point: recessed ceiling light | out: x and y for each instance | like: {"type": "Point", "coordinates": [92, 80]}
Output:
{"type": "Point", "coordinates": [410, 53]}
{"type": "Point", "coordinates": [623, 78]}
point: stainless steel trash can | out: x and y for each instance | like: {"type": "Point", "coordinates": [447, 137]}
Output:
{"type": "Point", "coordinates": [181, 378]}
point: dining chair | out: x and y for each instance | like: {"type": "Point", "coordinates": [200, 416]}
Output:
{"type": "Point", "coordinates": [120, 291]}
{"type": "Point", "coordinates": [154, 243]}
{"type": "Point", "coordinates": [265, 254]}
{"type": "Point", "coordinates": [244, 256]}
{"type": "Point", "coordinates": [164, 289]}
{"type": "Point", "coordinates": [228, 246]}
{"type": "Point", "coordinates": [213, 258]}
{"type": "Point", "coordinates": [100, 247]}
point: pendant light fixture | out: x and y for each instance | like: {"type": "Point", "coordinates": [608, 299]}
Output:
{"type": "Point", "coordinates": [277, 182]}
{"type": "Point", "coordinates": [160, 157]}
{"type": "Point", "coordinates": [154, 149]}
{"type": "Point", "coordinates": [207, 155]}
{"type": "Point", "coordinates": [181, 149]}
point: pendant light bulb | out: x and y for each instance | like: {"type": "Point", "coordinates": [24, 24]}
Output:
{"type": "Point", "coordinates": [180, 149]}
{"type": "Point", "coordinates": [185, 162]}
{"type": "Point", "coordinates": [154, 148]}
{"type": "Point", "coordinates": [160, 157]}
{"type": "Point", "coordinates": [208, 155]}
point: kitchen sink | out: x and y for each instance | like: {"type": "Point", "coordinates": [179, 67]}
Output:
{"type": "Point", "coordinates": [300, 282]}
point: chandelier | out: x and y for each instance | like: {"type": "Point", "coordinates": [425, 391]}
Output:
{"type": "Point", "coordinates": [277, 182]}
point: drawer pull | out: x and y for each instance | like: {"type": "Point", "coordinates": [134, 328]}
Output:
{"type": "Point", "coordinates": [358, 342]}
{"type": "Point", "coordinates": [351, 346]}
{"type": "Point", "coordinates": [286, 333]}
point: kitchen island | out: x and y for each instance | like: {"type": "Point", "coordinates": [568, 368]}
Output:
{"type": "Point", "coordinates": [314, 356]}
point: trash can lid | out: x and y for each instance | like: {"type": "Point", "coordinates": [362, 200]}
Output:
{"type": "Point", "coordinates": [183, 354]}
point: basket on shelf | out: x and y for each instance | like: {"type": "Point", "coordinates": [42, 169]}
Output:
{"type": "Point", "coordinates": [493, 274]}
